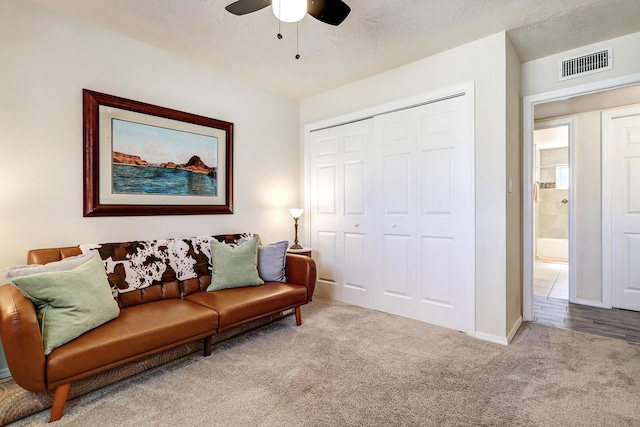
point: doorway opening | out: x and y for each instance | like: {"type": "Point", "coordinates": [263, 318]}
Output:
{"type": "Point", "coordinates": [551, 209]}
{"type": "Point", "coordinates": [586, 285]}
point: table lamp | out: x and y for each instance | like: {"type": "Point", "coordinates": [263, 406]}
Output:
{"type": "Point", "coordinates": [296, 214]}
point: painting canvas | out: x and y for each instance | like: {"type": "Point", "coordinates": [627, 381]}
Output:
{"type": "Point", "coordinates": [156, 160]}
{"type": "Point", "coordinates": [142, 159]}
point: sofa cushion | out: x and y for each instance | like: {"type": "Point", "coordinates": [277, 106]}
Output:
{"type": "Point", "coordinates": [143, 329]}
{"type": "Point", "coordinates": [272, 261]}
{"type": "Point", "coordinates": [238, 305]}
{"type": "Point", "coordinates": [70, 303]}
{"type": "Point", "coordinates": [234, 266]}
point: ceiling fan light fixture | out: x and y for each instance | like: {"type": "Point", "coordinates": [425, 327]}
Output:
{"type": "Point", "coordinates": [289, 10]}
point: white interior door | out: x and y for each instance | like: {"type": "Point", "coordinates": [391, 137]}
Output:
{"type": "Point", "coordinates": [341, 226]}
{"type": "Point", "coordinates": [621, 131]}
{"type": "Point", "coordinates": [426, 218]}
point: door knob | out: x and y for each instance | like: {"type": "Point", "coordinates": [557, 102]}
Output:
{"type": "Point", "coordinates": [393, 226]}
{"type": "Point", "coordinates": [564, 201]}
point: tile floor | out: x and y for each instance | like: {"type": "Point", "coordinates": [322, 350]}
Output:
{"type": "Point", "coordinates": [551, 280]}
{"type": "Point", "coordinates": [609, 322]}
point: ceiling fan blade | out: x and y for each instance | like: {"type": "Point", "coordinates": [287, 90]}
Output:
{"type": "Point", "coordinates": [242, 7]}
{"type": "Point", "coordinates": [331, 12]}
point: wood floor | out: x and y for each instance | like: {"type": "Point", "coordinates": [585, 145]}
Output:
{"type": "Point", "coordinates": [614, 323]}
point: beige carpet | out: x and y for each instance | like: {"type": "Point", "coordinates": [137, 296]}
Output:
{"type": "Point", "coordinates": [348, 366]}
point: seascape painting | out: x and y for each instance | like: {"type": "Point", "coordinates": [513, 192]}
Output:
{"type": "Point", "coordinates": [143, 159]}
{"type": "Point", "coordinates": [155, 160]}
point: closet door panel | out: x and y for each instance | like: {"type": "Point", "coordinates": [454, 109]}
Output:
{"type": "Point", "coordinates": [445, 146]}
{"type": "Point", "coordinates": [325, 215]}
{"type": "Point", "coordinates": [327, 266]}
{"type": "Point", "coordinates": [340, 224]}
{"type": "Point", "coordinates": [436, 181]}
{"type": "Point", "coordinates": [326, 146]}
{"type": "Point", "coordinates": [326, 189]}
{"type": "Point", "coordinates": [357, 141]}
{"type": "Point", "coordinates": [396, 131]}
{"type": "Point", "coordinates": [395, 214]}
{"type": "Point", "coordinates": [437, 129]}
{"type": "Point", "coordinates": [396, 184]}
{"type": "Point", "coordinates": [357, 222]}
{"type": "Point", "coordinates": [355, 262]}
{"type": "Point", "coordinates": [354, 187]}
{"type": "Point", "coordinates": [436, 270]}
{"type": "Point", "coordinates": [396, 275]}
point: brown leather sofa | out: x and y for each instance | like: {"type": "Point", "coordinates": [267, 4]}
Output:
{"type": "Point", "coordinates": [151, 320]}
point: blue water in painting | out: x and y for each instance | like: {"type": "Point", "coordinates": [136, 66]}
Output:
{"type": "Point", "coordinates": [156, 180]}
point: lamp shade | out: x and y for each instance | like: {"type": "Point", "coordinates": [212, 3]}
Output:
{"type": "Point", "coordinates": [289, 10]}
{"type": "Point", "coordinates": [296, 213]}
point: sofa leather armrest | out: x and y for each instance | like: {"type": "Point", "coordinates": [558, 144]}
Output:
{"type": "Point", "coordinates": [21, 339]}
{"type": "Point", "coordinates": [301, 270]}
{"type": "Point", "coordinates": [44, 256]}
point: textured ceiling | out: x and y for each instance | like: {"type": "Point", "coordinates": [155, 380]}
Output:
{"type": "Point", "coordinates": [377, 35]}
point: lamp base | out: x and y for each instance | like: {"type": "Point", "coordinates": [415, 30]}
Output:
{"type": "Point", "coordinates": [296, 246]}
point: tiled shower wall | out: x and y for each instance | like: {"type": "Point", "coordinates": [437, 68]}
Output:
{"type": "Point", "coordinates": [552, 214]}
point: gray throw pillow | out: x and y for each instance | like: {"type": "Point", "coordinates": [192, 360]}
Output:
{"type": "Point", "coordinates": [69, 263]}
{"type": "Point", "coordinates": [70, 303]}
{"type": "Point", "coordinates": [234, 266]}
{"type": "Point", "coordinates": [272, 261]}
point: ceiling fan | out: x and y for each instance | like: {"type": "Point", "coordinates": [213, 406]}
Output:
{"type": "Point", "coordinates": [331, 12]}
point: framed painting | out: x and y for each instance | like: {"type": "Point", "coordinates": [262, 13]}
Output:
{"type": "Point", "coordinates": [141, 159]}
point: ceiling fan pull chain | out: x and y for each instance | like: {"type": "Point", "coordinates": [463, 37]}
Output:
{"type": "Point", "coordinates": [279, 23]}
{"type": "Point", "coordinates": [279, 31]}
{"type": "Point", "coordinates": [297, 40]}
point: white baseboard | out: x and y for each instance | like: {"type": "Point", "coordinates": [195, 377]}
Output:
{"type": "Point", "coordinates": [514, 330]}
{"type": "Point", "coordinates": [501, 340]}
{"type": "Point", "coordinates": [491, 338]}
{"type": "Point", "coordinates": [4, 373]}
{"type": "Point", "coordinates": [326, 290]}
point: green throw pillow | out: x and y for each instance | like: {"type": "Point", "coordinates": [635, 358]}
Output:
{"type": "Point", "coordinates": [70, 303]}
{"type": "Point", "coordinates": [234, 266]}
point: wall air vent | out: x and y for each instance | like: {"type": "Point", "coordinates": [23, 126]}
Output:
{"type": "Point", "coordinates": [595, 62]}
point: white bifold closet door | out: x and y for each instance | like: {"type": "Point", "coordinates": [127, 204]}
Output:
{"type": "Point", "coordinates": [392, 211]}
{"type": "Point", "coordinates": [342, 218]}
{"type": "Point", "coordinates": [424, 224]}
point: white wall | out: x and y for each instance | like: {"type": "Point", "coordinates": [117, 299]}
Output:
{"type": "Point", "coordinates": [541, 75]}
{"type": "Point", "coordinates": [47, 58]}
{"type": "Point", "coordinates": [514, 195]}
{"type": "Point", "coordinates": [482, 61]}
{"type": "Point", "coordinates": [588, 207]}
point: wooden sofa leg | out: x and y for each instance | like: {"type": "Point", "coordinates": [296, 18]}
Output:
{"type": "Point", "coordinates": [298, 316]}
{"type": "Point", "coordinates": [59, 399]}
{"type": "Point", "coordinates": [207, 345]}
